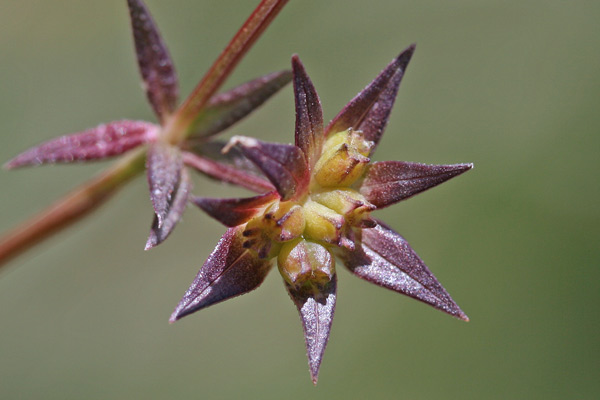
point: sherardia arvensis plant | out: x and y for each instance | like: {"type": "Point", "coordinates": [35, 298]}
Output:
{"type": "Point", "coordinates": [325, 189]}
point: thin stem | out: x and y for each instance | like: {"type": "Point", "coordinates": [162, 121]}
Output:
{"type": "Point", "coordinates": [243, 40]}
{"type": "Point", "coordinates": [69, 209]}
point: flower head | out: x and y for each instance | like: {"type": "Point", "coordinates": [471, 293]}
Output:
{"type": "Point", "coordinates": [325, 189]}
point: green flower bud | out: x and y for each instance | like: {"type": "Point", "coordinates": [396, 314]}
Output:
{"type": "Point", "coordinates": [322, 223]}
{"type": "Point", "coordinates": [305, 263]}
{"type": "Point", "coordinates": [344, 159]}
{"type": "Point", "coordinates": [284, 221]}
{"type": "Point", "coordinates": [347, 202]}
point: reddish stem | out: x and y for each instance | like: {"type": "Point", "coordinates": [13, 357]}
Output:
{"type": "Point", "coordinates": [70, 208]}
{"type": "Point", "coordinates": [243, 40]}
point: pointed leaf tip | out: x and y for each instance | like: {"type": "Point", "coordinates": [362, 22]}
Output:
{"type": "Point", "coordinates": [386, 259]}
{"type": "Point", "coordinates": [154, 61]}
{"type": "Point", "coordinates": [316, 312]}
{"type": "Point", "coordinates": [103, 141]}
{"type": "Point", "coordinates": [175, 210]}
{"type": "Point", "coordinates": [164, 165]}
{"type": "Point", "coordinates": [369, 111]}
{"type": "Point", "coordinates": [309, 114]}
{"type": "Point", "coordinates": [389, 182]}
{"type": "Point", "coordinates": [230, 271]}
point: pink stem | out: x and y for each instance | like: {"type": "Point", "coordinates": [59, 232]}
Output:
{"type": "Point", "coordinates": [69, 209]}
{"type": "Point", "coordinates": [243, 40]}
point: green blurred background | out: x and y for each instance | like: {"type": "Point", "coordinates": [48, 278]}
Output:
{"type": "Point", "coordinates": [511, 86]}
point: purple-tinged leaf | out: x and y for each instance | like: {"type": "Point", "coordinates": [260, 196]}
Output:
{"type": "Point", "coordinates": [227, 173]}
{"type": "Point", "coordinates": [98, 143]}
{"type": "Point", "coordinates": [387, 260]}
{"type": "Point", "coordinates": [214, 151]}
{"type": "Point", "coordinates": [316, 311]}
{"type": "Point", "coordinates": [156, 67]}
{"type": "Point", "coordinates": [309, 114]}
{"type": "Point", "coordinates": [225, 109]}
{"type": "Point", "coordinates": [176, 208]}
{"type": "Point", "coordinates": [234, 212]}
{"type": "Point", "coordinates": [164, 165]}
{"type": "Point", "coordinates": [283, 164]}
{"type": "Point", "coordinates": [370, 109]}
{"type": "Point", "coordinates": [229, 271]}
{"type": "Point", "coordinates": [389, 182]}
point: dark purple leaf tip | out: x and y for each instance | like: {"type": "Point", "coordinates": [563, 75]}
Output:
{"type": "Point", "coordinates": [316, 312]}
{"type": "Point", "coordinates": [230, 271]}
{"type": "Point", "coordinates": [386, 259]}
{"type": "Point", "coordinates": [309, 114]}
{"type": "Point", "coordinates": [369, 111]}
{"type": "Point", "coordinates": [389, 182]}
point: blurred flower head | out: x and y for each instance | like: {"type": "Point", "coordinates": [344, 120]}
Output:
{"type": "Point", "coordinates": [181, 139]}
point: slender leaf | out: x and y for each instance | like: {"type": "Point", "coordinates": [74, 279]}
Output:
{"type": "Point", "coordinates": [225, 109]}
{"type": "Point", "coordinates": [316, 312]}
{"type": "Point", "coordinates": [389, 182]}
{"type": "Point", "coordinates": [156, 67]}
{"type": "Point", "coordinates": [98, 143]}
{"type": "Point", "coordinates": [228, 272]}
{"type": "Point", "coordinates": [387, 260]}
{"type": "Point", "coordinates": [309, 114]}
{"type": "Point", "coordinates": [159, 234]}
{"type": "Point", "coordinates": [227, 173]}
{"type": "Point", "coordinates": [164, 165]}
{"type": "Point", "coordinates": [214, 151]}
{"type": "Point", "coordinates": [370, 109]}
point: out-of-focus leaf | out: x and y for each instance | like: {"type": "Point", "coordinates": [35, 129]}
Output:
{"type": "Point", "coordinates": [101, 142]}
{"type": "Point", "coordinates": [229, 271]}
{"type": "Point", "coordinates": [386, 259]}
{"type": "Point", "coordinates": [227, 173]}
{"type": "Point", "coordinates": [370, 109]}
{"type": "Point", "coordinates": [164, 165]}
{"type": "Point", "coordinates": [316, 312]}
{"type": "Point", "coordinates": [176, 208]}
{"type": "Point", "coordinates": [389, 182]}
{"type": "Point", "coordinates": [283, 164]}
{"type": "Point", "coordinates": [309, 114]}
{"type": "Point", "coordinates": [225, 109]}
{"type": "Point", "coordinates": [234, 212]}
{"type": "Point", "coordinates": [214, 150]}
{"type": "Point", "coordinates": [156, 67]}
